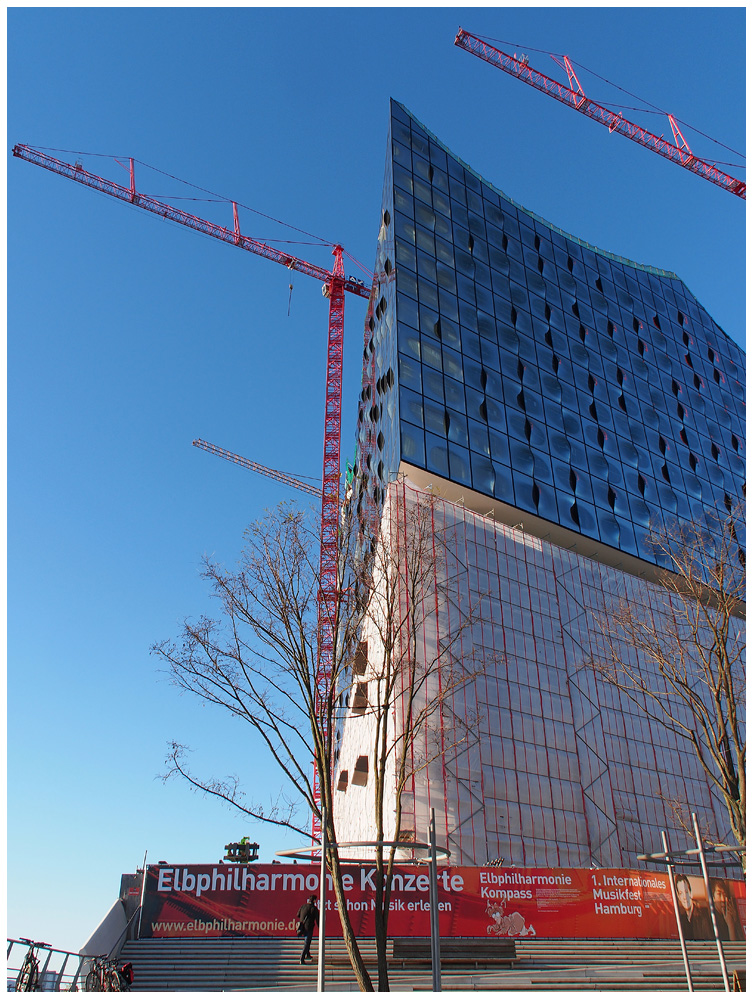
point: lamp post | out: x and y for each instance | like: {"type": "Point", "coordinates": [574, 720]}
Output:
{"type": "Point", "coordinates": [674, 897]}
{"type": "Point", "coordinates": [430, 846]}
{"type": "Point", "coordinates": [666, 855]}
{"type": "Point", "coordinates": [321, 941]}
{"type": "Point", "coordinates": [711, 903]}
{"type": "Point", "coordinates": [434, 911]}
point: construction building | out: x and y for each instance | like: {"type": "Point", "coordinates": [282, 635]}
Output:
{"type": "Point", "coordinates": [556, 400]}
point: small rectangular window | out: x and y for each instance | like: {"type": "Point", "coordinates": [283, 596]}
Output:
{"type": "Point", "coordinates": [360, 771]}
{"type": "Point", "coordinates": [361, 658]}
{"type": "Point", "coordinates": [360, 700]}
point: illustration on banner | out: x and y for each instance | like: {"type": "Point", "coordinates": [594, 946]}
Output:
{"type": "Point", "coordinates": [508, 924]}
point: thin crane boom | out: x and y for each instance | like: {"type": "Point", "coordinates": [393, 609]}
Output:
{"type": "Point", "coordinates": [233, 236]}
{"type": "Point", "coordinates": [577, 99]}
{"type": "Point", "coordinates": [247, 463]}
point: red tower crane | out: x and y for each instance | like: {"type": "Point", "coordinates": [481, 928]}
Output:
{"type": "Point", "coordinates": [335, 285]}
{"type": "Point", "coordinates": [679, 152]}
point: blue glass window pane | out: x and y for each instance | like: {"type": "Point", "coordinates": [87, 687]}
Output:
{"type": "Point", "coordinates": [482, 474]}
{"type": "Point", "coordinates": [458, 431]}
{"type": "Point", "coordinates": [523, 489]}
{"type": "Point", "coordinates": [503, 483]}
{"type": "Point", "coordinates": [454, 394]}
{"type": "Point", "coordinates": [542, 467]}
{"type": "Point", "coordinates": [431, 353]}
{"type": "Point", "coordinates": [452, 363]}
{"type": "Point", "coordinates": [405, 254]}
{"type": "Point", "coordinates": [408, 311]}
{"type": "Point", "coordinates": [404, 202]}
{"type": "Point", "coordinates": [444, 251]}
{"type": "Point", "coordinates": [479, 440]}
{"type": "Point", "coordinates": [437, 454]}
{"type": "Point", "coordinates": [409, 372]}
{"type": "Point", "coordinates": [412, 406]}
{"type": "Point", "coordinates": [408, 340]}
{"type": "Point", "coordinates": [459, 465]}
{"type": "Point", "coordinates": [406, 282]}
{"type": "Point", "coordinates": [412, 444]}
{"type": "Point", "coordinates": [522, 459]}
{"type": "Point", "coordinates": [448, 305]}
{"type": "Point", "coordinates": [425, 239]}
{"type": "Point", "coordinates": [499, 447]}
{"type": "Point", "coordinates": [547, 505]}
{"type": "Point", "coordinates": [433, 385]}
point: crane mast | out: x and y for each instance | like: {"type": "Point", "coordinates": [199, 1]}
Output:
{"type": "Point", "coordinates": [335, 285]}
{"type": "Point", "coordinates": [679, 152]}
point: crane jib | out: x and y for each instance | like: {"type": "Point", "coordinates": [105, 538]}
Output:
{"type": "Point", "coordinates": [77, 173]}
{"type": "Point", "coordinates": [518, 67]}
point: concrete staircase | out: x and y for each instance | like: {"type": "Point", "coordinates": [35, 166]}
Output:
{"type": "Point", "coordinates": [271, 964]}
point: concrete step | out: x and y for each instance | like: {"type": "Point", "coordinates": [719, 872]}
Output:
{"type": "Point", "coordinates": [272, 965]}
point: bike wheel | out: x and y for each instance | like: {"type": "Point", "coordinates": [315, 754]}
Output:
{"type": "Point", "coordinates": [90, 983]}
{"type": "Point", "coordinates": [113, 981]}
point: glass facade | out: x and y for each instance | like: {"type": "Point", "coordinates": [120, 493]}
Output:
{"type": "Point", "coordinates": [563, 384]}
{"type": "Point", "coordinates": [534, 758]}
{"type": "Point", "coordinates": [511, 358]}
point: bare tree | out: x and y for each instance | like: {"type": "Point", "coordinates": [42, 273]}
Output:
{"type": "Point", "coordinates": [258, 660]}
{"type": "Point", "coordinates": [412, 631]}
{"type": "Point", "coordinates": [689, 675]}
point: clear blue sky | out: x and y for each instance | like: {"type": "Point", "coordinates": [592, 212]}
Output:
{"type": "Point", "coordinates": [128, 337]}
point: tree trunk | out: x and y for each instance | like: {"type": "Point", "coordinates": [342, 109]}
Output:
{"type": "Point", "coordinates": [381, 911]}
{"type": "Point", "coordinates": [357, 962]}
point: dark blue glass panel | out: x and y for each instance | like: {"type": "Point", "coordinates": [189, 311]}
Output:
{"type": "Point", "coordinates": [609, 529]}
{"type": "Point", "coordinates": [437, 454]}
{"type": "Point", "coordinates": [454, 394]}
{"type": "Point", "coordinates": [553, 347]}
{"type": "Point", "coordinates": [523, 490]}
{"type": "Point", "coordinates": [458, 430]}
{"type": "Point", "coordinates": [482, 474]}
{"type": "Point", "coordinates": [499, 447]}
{"type": "Point", "coordinates": [547, 503]}
{"type": "Point", "coordinates": [584, 486]}
{"type": "Point", "coordinates": [434, 417]}
{"type": "Point", "coordinates": [411, 406]}
{"type": "Point", "coordinates": [495, 413]}
{"type": "Point", "coordinates": [459, 465]}
{"type": "Point", "coordinates": [409, 373]}
{"type": "Point", "coordinates": [561, 474]}
{"type": "Point", "coordinates": [503, 483]}
{"type": "Point", "coordinates": [433, 384]}
{"type": "Point", "coordinates": [542, 467]}
{"type": "Point", "coordinates": [412, 445]}
{"type": "Point", "coordinates": [479, 439]}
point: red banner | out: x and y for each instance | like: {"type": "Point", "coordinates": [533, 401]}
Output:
{"type": "Point", "coordinates": [262, 900]}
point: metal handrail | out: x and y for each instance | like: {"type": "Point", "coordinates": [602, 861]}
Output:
{"type": "Point", "coordinates": [44, 954]}
{"type": "Point", "coordinates": [115, 950]}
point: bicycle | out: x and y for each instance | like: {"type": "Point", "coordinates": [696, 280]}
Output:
{"type": "Point", "coordinates": [27, 980]}
{"type": "Point", "coordinates": [97, 978]}
{"type": "Point", "coordinates": [104, 976]}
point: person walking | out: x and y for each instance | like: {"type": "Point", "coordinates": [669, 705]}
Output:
{"type": "Point", "coordinates": [308, 918]}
